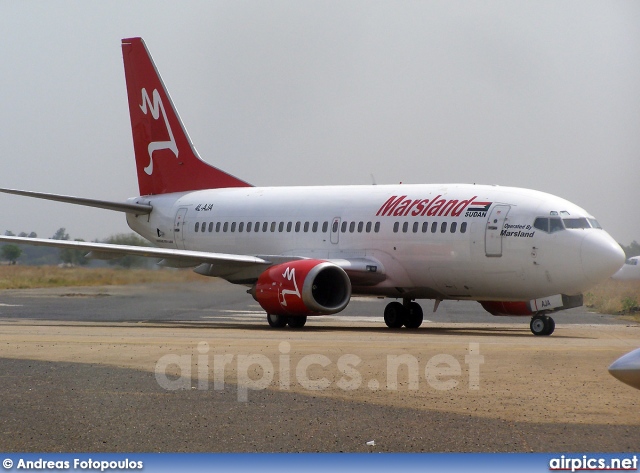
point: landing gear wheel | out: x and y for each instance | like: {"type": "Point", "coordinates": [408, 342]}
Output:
{"type": "Point", "coordinates": [277, 321]}
{"type": "Point", "coordinates": [394, 315]}
{"type": "Point", "coordinates": [542, 325]}
{"type": "Point", "coordinates": [552, 326]}
{"type": "Point", "coordinates": [414, 317]}
{"type": "Point", "coordinates": [297, 321]}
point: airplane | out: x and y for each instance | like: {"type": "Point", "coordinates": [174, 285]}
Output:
{"type": "Point", "coordinates": [630, 271]}
{"type": "Point", "coordinates": [305, 250]}
{"type": "Point", "coordinates": [627, 368]}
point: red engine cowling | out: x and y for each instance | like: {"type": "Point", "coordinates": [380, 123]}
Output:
{"type": "Point", "coordinates": [303, 287]}
{"type": "Point", "coordinates": [507, 308]}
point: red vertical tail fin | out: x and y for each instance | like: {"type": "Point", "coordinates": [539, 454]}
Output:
{"type": "Point", "coordinates": [166, 160]}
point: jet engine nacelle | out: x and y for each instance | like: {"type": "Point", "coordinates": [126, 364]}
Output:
{"type": "Point", "coordinates": [303, 287]}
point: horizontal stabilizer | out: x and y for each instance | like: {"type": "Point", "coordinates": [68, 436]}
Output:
{"type": "Point", "coordinates": [138, 209]}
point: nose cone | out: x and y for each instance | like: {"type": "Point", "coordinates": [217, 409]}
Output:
{"type": "Point", "coordinates": [627, 369]}
{"type": "Point", "coordinates": [601, 256]}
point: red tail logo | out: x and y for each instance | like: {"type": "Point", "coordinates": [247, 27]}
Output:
{"type": "Point", "coordinates": [166, 160]}
{"type": "Point", "coordinates": [156, 108]}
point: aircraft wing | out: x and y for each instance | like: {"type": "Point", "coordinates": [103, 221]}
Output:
{"type": "Point", "coordinates": [175, 258]}
{"type": "Point", "coordinates": [234, 268]}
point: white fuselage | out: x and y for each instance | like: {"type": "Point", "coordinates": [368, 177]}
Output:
{"type": "Point", "coordinates": [454, 241]}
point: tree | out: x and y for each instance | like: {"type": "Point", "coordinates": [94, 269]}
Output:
{"type": "Point", "coordinates": [11, 253]}
{"type": "Point", "coordinates": [632, 250]}
{"type": "Point", "coordinates": [60, 234]}
{"type": "Point", "coordinates": [70, 255]}
{"type": "Point", "coordinates": [129, 261]}
{"type": "Point", "coordinates": [73, 256]}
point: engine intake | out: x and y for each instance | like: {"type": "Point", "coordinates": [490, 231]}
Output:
{"type": "Point", "coordinates": [303, 287]}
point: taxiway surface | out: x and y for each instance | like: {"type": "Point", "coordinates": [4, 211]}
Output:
{"type": "Point", "coordinates": [167, 368]}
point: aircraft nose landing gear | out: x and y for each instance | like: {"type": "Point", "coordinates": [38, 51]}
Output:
{"type": "Point", "coordinates": [542, 324]}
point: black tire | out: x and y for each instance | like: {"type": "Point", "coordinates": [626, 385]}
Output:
{"type": "Point", "coordinates": [297, 321]}
{"type": "Point", "coordinates": [414, 316]}
{"type": "Point", "coordinates": [542, 325]}
{"type": "Point", "coordinates": [552, 326]}
{"type": "Point", "coordinates": [277, 321]}
{"type": "Point", "coordinates": [394, 315]}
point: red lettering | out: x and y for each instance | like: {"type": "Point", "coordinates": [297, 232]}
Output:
{"type": "Point", "coordinates": [426, 209]}
{"type": "Point", "coordinates": [400, 210]}
{"type": "Point", "coordinates": [435, 208]}
{"type": "Point", "coordinates": [447, 208]}
{"type": "Point", "coordinates": [420, 207]}
{"type": "Point", "coordinates": [400, 206]}
{"type": "Point", "coordinates": [463, 204]}
{"type": "Point", "coordinates": [388, 207]}
{"type": "Point", "coordinates": [413, 204]}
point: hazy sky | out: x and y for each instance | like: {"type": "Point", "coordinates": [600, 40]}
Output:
{"type": "Point", "coordinates": [543, 95]}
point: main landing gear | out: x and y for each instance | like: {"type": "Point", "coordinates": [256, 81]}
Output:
{"type": "Point", "coordinates": [408, 313]}
{"type": "Point", "coordinates": [542, 324]}
{"type": "Point", "coordinates": [280, 321]}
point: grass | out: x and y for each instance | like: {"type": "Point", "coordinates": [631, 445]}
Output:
{"type": "Point", "coordinates": [30, 277]}
{"type": "Point", "coordinates": [616, 297]}
{"type": "Point", "coordinates": [611, 297]}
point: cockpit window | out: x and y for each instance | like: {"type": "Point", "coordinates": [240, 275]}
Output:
{"type": "Point", "coordinates": [542, 223]}
{"type": "Point", "coordinates": [594, 223]}
{"type": "Point", "coordinates": [555, 225]}
{"type": "Point", "coordinates": [632, 262]}
{"type": "Point", "coordinates": [549, 225]}
{"type": "Point", "coordinates": [576, 223]}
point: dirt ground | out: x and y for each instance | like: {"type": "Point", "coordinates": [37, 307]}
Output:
{"type": "Point", "coordinates": [479, 370]}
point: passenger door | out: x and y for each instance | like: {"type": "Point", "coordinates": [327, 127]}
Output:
{"type": "Point", "coordinates": [179, 228]}
{"type": "Point", "coordinates": [495, 223]}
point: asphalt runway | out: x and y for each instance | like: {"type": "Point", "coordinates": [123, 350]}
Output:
{"type": "Point", "coordinates": [99, 369]}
